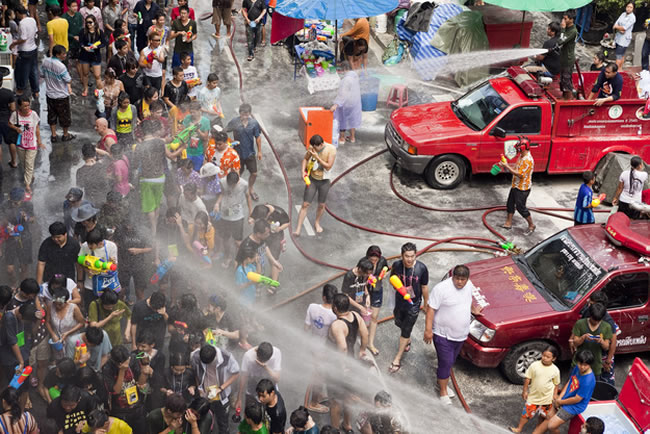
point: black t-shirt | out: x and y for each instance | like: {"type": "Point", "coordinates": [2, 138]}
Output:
{"type": "Point", "coordinates": [146, 318]}
{"type": "Point", "coordinates": [195, 324]}
{"type": "Point", "coordinates": [150, 157]}
{"type": "Point", "coordinates": [68, 421]}
{"type": "Point", "coordinates": [250, 245]}
{"type": "Point", "coordinates": [253, 8]}
{"type": "Point", "coordinates": [155, 421]}
{"type": "Point", "coordinates": [127, 238]}
{"type": "Point", "coordinates": [380, 265]}
{"type": "Point", "coordinates": [119, 401]}
{"type": "Point", "coordinates": [181, 46]}
{"type": "Point", "coordinates": [6, 98]}
{"type": "Point", "coordinates": [175, 94]}
{"type": "Point", "coordinates": [354, 287]}
{"type": "Point", "coordinates": [133, 86]}
{"type": "Point", "coordinates": [552, 57]}
{"type": "Point", "coordinates": [59, 260]}
{"type": "Point", "coordinates": [94, 182]}
{"type": "Point", "coordinates": [411, 277]}
{"type": "Point", "coordinates": [51, 380]}
{"type": "Point", "coordinates": [277, 415]}
{"type": "Point", "coordinates": [279, 217]}
{"type": "Point", "coordinates": [607, 87]}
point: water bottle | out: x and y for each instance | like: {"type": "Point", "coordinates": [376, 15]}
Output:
{"type": "Point", "coordinates": [3, 41]}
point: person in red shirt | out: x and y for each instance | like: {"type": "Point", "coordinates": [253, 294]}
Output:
{"type": "Point", "coordinates": [176, 12]}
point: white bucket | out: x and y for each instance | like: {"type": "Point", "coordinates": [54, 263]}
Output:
{"type": "Point", "coordinates": [381, 23]}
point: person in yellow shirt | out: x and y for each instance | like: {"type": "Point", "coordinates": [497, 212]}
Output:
{"type": "Point", "coordinates": [57, 28]}
{"type": "Point", "coordinates": [522, 180]}
{"type": "Point", "coordinates": [99, 421]}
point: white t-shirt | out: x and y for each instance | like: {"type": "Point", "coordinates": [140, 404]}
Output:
{"type": "Point", "coordinates": [255, 372]}
{"type": "Point", "coordinates": [28, 31]}
{"type": "Point", "coordinates": [156, 69]}
{"type": "Point", "coordinates": [70, 285]}
{"type": "Point", "coordinates": [28, 124]}
{"type": "Point", "coordinates": [190, 73]}
{"type": "Point", "coordinates": [453, 308]}
{"type": "Point", "coordinates": [640, 178]}
{"type": "Point", "coordinates": [106, 253]}
{"type": "Point", "coordinates": [209, 99]}
{"type": "Point", "coordinates": [319, 319]}
{"type": "Point", "coordinates": [233, 200]}
{"type": "Point", "coordinates": [190, 209]}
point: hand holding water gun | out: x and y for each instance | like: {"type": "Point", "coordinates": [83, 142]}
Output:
{"type": "Point", "coordinates": [597, 200]}
{"type": "Point", "coordinates": [399, 287]}
{"type": "Point", "coordinates": [20, 377]}
{"type": "Point", "coordinates": [193, 82]}
{"type": "Point", "coordinates": [310, 166]}
{"type": "Point", "coordinates": [183, 137]}
{"type": "Point", "coordinates": [93, 263]}
{"type": "Point", "coordinates": [258, 278]}
{"type": "Point", "coordinates": [81, 353]}
{"type": "Point", "coordinates": [202, 251]}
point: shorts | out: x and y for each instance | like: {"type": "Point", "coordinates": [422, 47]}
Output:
{"type": "Point", "coordinates": [249, 163]}
{"type": "Point", "coordinates": [153, 82]}
{"type": "Point", "coordinates": [532, 410]}
{"type": "Point", "coordinates": [220, 15]}
{"type": "Point", "coordinates": [405, 320]}
{"type": "Point", "coordinates": [377, 296]}
{"type": "Point", "coordinates": [230, 228]}
{"type": "Point", "coordinates": [41, 352]}
{"type": "Point", "coordinates": [90, 62]}
{"type": "Point", "coordinates": [566, 79]}
{"type": "Point", "coordinates": [620, 51]}
{"type": "Point", "coordinates": [564, 415]}
{"type": "Point", "coordinates": [32, 2]}
{"type": "Point", "coordinates": [7, 135]}
{"type": "Point", "coordinates": [517, 200]}
{"type": "Point", "coordinates": [58, 109]}
{"type": "Point", "coordinates": [320, 186]}
{"type": "Point", "coordinates": [151, 193]}
{"type": "Point", "coordinates": [274, 242]}
{"type": "Point", "coordinates": [447, 351]}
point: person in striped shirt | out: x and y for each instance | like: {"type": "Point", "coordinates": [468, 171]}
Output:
{"type": "Point", "coordinates": [522, 180]}
{"type": "Point", "coordinates": [584, 213]}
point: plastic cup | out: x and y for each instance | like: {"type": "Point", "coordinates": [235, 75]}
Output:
{"type": "Point", "coordinates": [496, 169]}
{"type": "Point", "coordinates": [253, 24]}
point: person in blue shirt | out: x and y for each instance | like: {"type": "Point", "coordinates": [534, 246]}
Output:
{"type": "Point", "coordinates": [576, 394]}
{"type": "Point", "coordinates": [584, 213]}
{"type": "Point", "coordinates": [608, 87]}
{"type": "Point", "coordinates": [247, 132]}
{"type": "Point", "coordinates": [247, 288]}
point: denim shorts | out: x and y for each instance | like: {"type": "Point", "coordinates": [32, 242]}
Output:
{"type": "Point", "coordinates": [620, 51]}
{"type": "Point", "coordinates": [86, 62]}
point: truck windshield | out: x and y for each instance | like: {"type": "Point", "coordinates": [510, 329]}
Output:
{"type": "Point", "coordinates": [566, 271]}
{"type": "Point", "coordinates": [479, 107]}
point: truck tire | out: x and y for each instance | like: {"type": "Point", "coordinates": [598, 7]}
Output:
{"type": "Point", "coordinates": [519, 358]}
{"type": "Point", "coordinates": [445, 172]}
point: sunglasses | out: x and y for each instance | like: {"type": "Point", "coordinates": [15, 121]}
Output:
{"type": "Point", "coordinates": [155, 40]}
{"type": "Point", "coordinates": [90, 22]}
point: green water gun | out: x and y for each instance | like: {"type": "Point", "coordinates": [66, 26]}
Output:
{"type": "Point", "coordinates": [183, 137]}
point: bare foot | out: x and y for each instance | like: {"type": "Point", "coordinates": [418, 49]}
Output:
{"type": "Point", "coordinates": [515, 429]}
{"type": "Point", "coordinates": [319, 228]}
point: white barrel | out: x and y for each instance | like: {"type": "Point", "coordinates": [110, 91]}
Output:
{"type": "Point", "coordinates": [381, 23]}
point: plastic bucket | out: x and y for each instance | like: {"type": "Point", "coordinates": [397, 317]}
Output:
{"type": "Point", "coordinates": [604, 392]}
{"type": "Point", "coordinates": [56, 346]}
{"type": "Point", "coordinates": [495, 170]}
{"type": "Point", "coordinates": [369, 93]}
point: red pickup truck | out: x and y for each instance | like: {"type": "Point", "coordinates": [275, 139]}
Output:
{"type": "Point", "coordinates": [445, 141]}
{"type": "Point", "coordinates": [533, 300]}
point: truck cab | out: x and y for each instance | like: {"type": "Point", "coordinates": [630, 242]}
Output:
{"type": "Point", "coordinates": [446, 141]}
{"type": "Point", "coordinates": [533, 300]}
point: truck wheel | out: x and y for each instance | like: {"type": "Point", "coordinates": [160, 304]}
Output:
{"type": "Point", "coordinates": [519, 358]}
{"type": "Point", "coordinates": [445, 172]}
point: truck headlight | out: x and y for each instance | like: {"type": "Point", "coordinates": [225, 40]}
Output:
{"type": "Point", "coordinates": [480, 332]}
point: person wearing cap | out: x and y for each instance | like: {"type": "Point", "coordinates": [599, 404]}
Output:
{"type": "Point", "coordinates": [210, 185]}
{"type": "Point", "coordinates": [57, 254]}
{"type": "Point", "coordinates": [73, 200]}
{"type": "Point", "coordinates": [17, 248]}
{"type": "Point", "coordinates": [85, 218]}
{"type": "Point", "coordinates": [221, 154]}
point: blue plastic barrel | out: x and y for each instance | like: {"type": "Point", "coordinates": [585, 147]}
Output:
{"type": "Point", "coordinates": [369, 93]}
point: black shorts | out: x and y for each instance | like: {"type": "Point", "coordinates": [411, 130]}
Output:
{"type": "Point", "coordinates": [320, 186]}
{"type": "Point", "coordinates": [405, 320]}
{"type": "Point", "coordinates": [59, 110]}
{"type": "Point", "coordinates": [153, 82]}
{"type": "Point", "coordinates": [229, 228]}
{"type": "Point", "coordinates": [566, 81]}
{"type": "Point", "coordinates": [517, 200]}
{"type": "Point", "coordinates": [7, 135]}
{"type": "Point", "coordinates": [249, 163]}
{"type": "Point", "coordinates": [376, 296]}
{"type": "Point", "coordinates": [274, 242]}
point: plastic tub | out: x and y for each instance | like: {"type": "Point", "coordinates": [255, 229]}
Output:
{"type": "Point", "coordinates": [369, 93]}
{"type": "Point", "coordinates": [56, 346]}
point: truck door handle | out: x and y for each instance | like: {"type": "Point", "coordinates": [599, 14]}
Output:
{"type": "Point", "coordinates": [642, 318]}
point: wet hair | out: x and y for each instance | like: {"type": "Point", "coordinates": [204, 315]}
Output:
{"type": "Point", "coordinates": [184, 8]}
{"type": "Point", "coordinates": [94, 335]}
{"type": "Point", "coordinates": [156, 105]}
{"type": "Point", "coordinates": [184, 55]}
{"type": "Point", "coordinates": [109, 298]}
{"type": "Point", "coordinates": [22, 99]}
{"type": "Point", "coordinates": [87, 376]}
{"type": "Point", "coordinates": [58, 281]}
{"type": "Point", "coordinates": [461, 271]}
{"type": "Point", "coordinates": [299, 418]}
{"type": "Point", "coordinates": [28, 312]}
{"type": "Point", "coordinates": [95, 236]}
{"type": "Point", "coordinates": [150, 92]}
{"type": "Point", "coordinates": [600, 57]}
{"type": "Point", "coordinates": [554, 26]}
{"type": "Point", "coordinates": [254, 411]}
{"type": "Point", "coordinates": [587, 176]}
{"type": "Point", "coordinates": [264, 352]}
{"type": "Point", "coordinates": [597, 312]}
{"type": "Point", "coordinates": [186, 164]}
{"type": "Point", "coordinates": [260, 226]}
{"type": "Point", "coordinates": [146, 337]}
{"type": "Point", "coordinates": [175, 403]}
{"type": "Point", "coordinates": [329, 429]}
{"type": "Point", "coordinates": [151, 127]}
{"type": "Point", "coordinates": [58, 228]}
{"type": "Point", "coordinates": [120, 354]}
{"type": "Point", "coordinates": [117, 151]}
{"type": "Point", "coordinates": [57, 50]}
{"type": "Point", "coordinates": [265, 386]}
{"type": "Point", "coordinates": [30, 286]}
{"type": "Point", "coordinates": [207, 354]}
{"type": "Point", "coordinates": [316, 140]}
{"type": "Point", "coordinates": [360, 46]}
{"type": "Point", "coordinates": [599, 297]}
{"type": "Point", "coordinates": [66, 367]}
{"type": "Point", "coordinates": [60, 293]}
{"type": "Point", "coordinates": [341, 303]}
{"type": "Point", "coordinates": [635, 163]}
{"type": "Point", "coordinates": [219, 137]}
{"type": "Point", "coordinates": [195, 106]}
{"type": "Point", "coordinates": [259, 212]}
{"type": "Point", "coordinates": [178, 359]}
{"type": "Point", "coordinates": [408, 247]}
{"type": "Point", "coordinates": [232, 178]}
{"type": "Point", "coordinates": [365, 265]}
{"type": "Point", "coordinates": [122, 96]}
{"type": "Point", "coordinates": [570, 14]}
{"type": "Point", "coordinates": [177, 70]}
{"type": "Point", "coordinates": [132, 64]}
{"type": "Point", "coordinates": [11, 397]}
{"type": "Point", "coordinates": [218, 301]}
{"type": "Point", "coordinates": [188, 301]}
{"type": "Point", "coordinates": [200, 405]}
{"type": "Point", "coordinates": [157, 300]}
{"type": "Point", "coordinates": [329, 291]}
{"type": "Point", "coordinates": [383, 398]}
{"type": "Point", "coordinates": [97, 418]}
{"type": "Point", "coordinates": [88, 150]}
{"type": "Point", "coordinates": [190, 188]}
{"type": "Point", "coordinates": [6, 294]}
{"type": "Point", "coordinates": [594, 425]}
{"type": "Point", "coordinates": [373, 251]}
{"type": "Point", "coordinates": [585, 356]}
{"type": "Point", "coordinates": [245, 108]}
{"type": "Point", "coordinates": [551, 349]}
{"type": "Point", "coordinates": [71, 393]}
{"type": "Point", "coordinates": [613, 67]}
{"type": "Point", "coordinates": [203, 217]}
{"type": "Point", "coordinates": [213, 77]}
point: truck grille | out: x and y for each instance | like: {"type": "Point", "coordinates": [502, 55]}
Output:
{"type": "Point", "coordinates": [392, 136]}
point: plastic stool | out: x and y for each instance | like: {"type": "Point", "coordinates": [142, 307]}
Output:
{"type": "Point", "coordinates": [398, 96]}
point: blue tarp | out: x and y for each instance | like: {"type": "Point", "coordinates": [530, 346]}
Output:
{"type": "Point", "coordinates": [422, 52]}
{"type": "Point", "coordinates": [334, 9]}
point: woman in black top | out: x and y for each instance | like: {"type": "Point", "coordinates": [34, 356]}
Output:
{"type": "Point", "coordinates": [91, 40]}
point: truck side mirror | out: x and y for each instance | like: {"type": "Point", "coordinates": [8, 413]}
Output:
{"type": "Point", "coordinates": [498, 132]}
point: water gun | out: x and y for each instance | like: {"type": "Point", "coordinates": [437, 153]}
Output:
{"type": "Point", "coordinates": [310, 166]}
{"type": "Point", "coordinates": [95, 44]}
{"type": "Point", "coordinates": [183, 136]}
{"type": "Point", "coordinates": [151, 57]}
{"type": "Point", "coordinates": [162, 269]}
{"type": "Point", "coordinates": [217, 111]}
{"type": "Point", "coordinates": [13, 230]}
{"type": "Point", "coordinates": [598, 200]}
{"type": "Point", "coordinates": [399, 287]}
{"type": "Point", "coordinates": [209, 337]}
{"type": "Point", "coordinates": [383, 272]}
{"type": "Point", "coordinates": [188, 36]}
{"type": "Point", "coordinates": [20, 377]}
{"type": "Point", "coordinates": [79, 350]}
{"type": "Point", "coordinates": [182, 326]}
{"type": "Point", "coordinates": [202, 251]}
{"type": "Point", "coordinates": [193, 82]}
{"type": "Point", "coordinates": [139, 17]}
{"type": "Point", "coordinates": [96, 264]}
{"type": "Point", "coordinates": [372, 280]}
{"type": "Point", "coordinates": [258, 278]}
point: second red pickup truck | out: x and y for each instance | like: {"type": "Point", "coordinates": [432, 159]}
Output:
{"type": "Point", "coordinates": [448, 140]}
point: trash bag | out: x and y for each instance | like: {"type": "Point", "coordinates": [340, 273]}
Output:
{"type": "Point", "coordinates": [393, 52]}
{"type": "Point", "coordinates": [463, 33]}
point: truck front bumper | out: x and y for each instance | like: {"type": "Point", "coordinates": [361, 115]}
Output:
{"type": "Point", "coordinates": [396, 145]}
{"type": "Point", "coordinates": [483, 357]}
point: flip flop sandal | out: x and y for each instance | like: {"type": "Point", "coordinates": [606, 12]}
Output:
{"type": "Point", "coordinates": [54, 138]}
{"type": "Point", "coordinates": [346, 431]}
{"type": "Point", "coordinates": [408, 347]}
{"type": "Point", "coordinates": [318, 408]}
{"type": "Point", "coordinates": [506, 227]}
{"type": "Point", "coordinates": [374, 351]}
{"type": "Point", "coordinates": [13, 166]}
{"type": "Point", "coordinates": [394, 368]}
{"type": "Point", "coordinates": [67, 138]}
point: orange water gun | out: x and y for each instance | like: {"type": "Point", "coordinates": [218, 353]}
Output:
{"type": "Point", "coordinates": [79, 350]}
{"type": "Point", "coordinates": [193, 82]}
{"type": "Point", "coordinates": [399, 287]}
